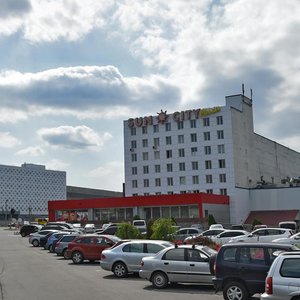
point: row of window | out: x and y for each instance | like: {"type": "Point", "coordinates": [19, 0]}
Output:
{"type": "Point", "coordinates": [180, 125]}
{"type": "Point", "coordinates": [181, 153]}
{"type": "Point", "coordinates": [222, 191]}
{"type": "Point", "coordinates": [182, 180]}
{"type": "Point", "coordinates": [180, 139]}
{"type": "Point", "coordinates": [181, 167]}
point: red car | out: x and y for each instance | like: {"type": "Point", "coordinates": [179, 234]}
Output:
{"type": "Point", "coordinates": [89, 247]}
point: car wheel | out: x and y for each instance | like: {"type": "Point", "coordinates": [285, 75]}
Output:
{"type": "Point", "coordinates": [159, 280]}
{"type": "Point", "coordinates": [50, 248]}
{"type": "Point", "coordinates": [235, 291]}
{"type": "Point", "coordinates": [23, 234]}
{"type": "Point", "coordinates": [65, 254]}
{"type": "Point", "coordinates": [35, 243]}
{"type": "Point", "coordinates": [120, 270]}
{"type": "Point", "coordinates": [77, 257]}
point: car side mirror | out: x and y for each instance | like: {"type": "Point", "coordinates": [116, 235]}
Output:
{"type": "Point", "coordinates": [206, 259]}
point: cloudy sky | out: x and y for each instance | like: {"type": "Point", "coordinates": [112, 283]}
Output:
{"type": "Point", "coordinates": [71, 71]}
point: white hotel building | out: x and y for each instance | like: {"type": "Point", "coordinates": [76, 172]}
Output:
{"type": "Point", "coordinates": [28, 188]}
{"type": "Point", "coordinates": [211, 150]}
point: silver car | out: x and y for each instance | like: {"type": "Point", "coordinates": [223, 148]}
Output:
{"type": "Point", "coordinates": [184, 263]}
{"type": "Point", "coordinates": [126, 256]}
{"type": "Point", "coordinates": [283, 280]}
{"type": "Point", "coordinates": [34, 238]}
{"type": "Point", "coordinates": [62, 244]}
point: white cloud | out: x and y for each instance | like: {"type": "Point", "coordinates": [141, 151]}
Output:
{"type": "Point", "coordinates": [108, 174]}
{"type": "Point", "coordinates": [31, 151]}
{"type": "Point", "coordinates": [8, 141]}
{"type": "Point", "coordinates": [10, 115]}
{"type": "Point", "coordinates": [74, 138]}
{"type": "Point", "coordinates": [56, 165]}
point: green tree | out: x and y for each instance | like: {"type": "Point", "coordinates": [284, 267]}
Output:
{"type": "Point", "coordinates": [163, 229]}
{"type": "Point", "coordinates": [256, 222]}
{"type": "Point", "coordinates": [136, 217]}
{"type": "Point", "coordinates": [128, 231]}
{"type": "Point", "coordinates": [211, 220]}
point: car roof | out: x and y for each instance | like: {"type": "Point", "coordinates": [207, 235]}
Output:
{"type": "Point", "coordinates": [243, 244]}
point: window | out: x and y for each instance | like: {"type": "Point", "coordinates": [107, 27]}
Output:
{"type": "Point", "coordinates": [169, 168]}
{"type": "Point", "coordinates": [133, 157]}
{"type": "Point", "coordinates": [194, 151]}
{"type": "Point", "coordinates": [170, 192]}
{"type": "Point", "coordinates": [157, 182]}
{"type": "Point", "coordinates": [195, 179]}
{"type": "Point", "coordinates": [157, 168]}
{"type": "Point", "coordinates": [205, 122]}
{"type": "Point", "coordinates": [180, 139]}
{"type": "Point", "coordinates": [219, 120]}
{"type": "Point", "coordinates": [144, 130]}
{"type": "Point", "coordinates": [168, 140]}
{"type": "Point", "coordinates": [221, 149]}
{"type": "Point", "coordinates": [156, 142]}
{"type": "Point", "coordinates": [134, 171]}
{"type": "Point", "coordinates": [180, 125]}
{"type": "Point", "coordinates": [168, 126]}
{"type": "Point", "coordinates": [155, 128]}
{"type": "Point", "coordinates": [194, 165]}
{"type": "Point", "coordinates": [220, 134]}
{"type": "Point", "coordinates": [174, 254]}
{"type": "Point", "coordinates": [182, 179]}
{"type": "Point", "coordinates": [134, 247]}
{"type": "Point", "coordinates": [207, 150]}
{"type": "Point", "coordinates": [193, 137]}
{"type": "Point", "coordinates": [290, 268]}
{"type": "Point", "coordinates": [146, 182]}
{"type": "Point", "coordinates": [222, 177]}
{"type": "Point", "coordinates": [253, 255]}
{"type": "Point", "coordinates": [133, 131]}
{"type": "Point", "coordinates": [145, 143]}
{"type": "Point", "coordinates": [230, 254]}
{"type": "Point", "coordinates": [181, 166]}
{"type": "Point", "coordinates": [133, 144]}
{"type": "Point", "coordinates": [223, 192]}
{"type": "Point", "coordinates": [181, 152]}
{"type": "Point", "coordinates": [153, 248]}
{"type": "Point", "coordinates": [208, 164]}
{"type": "Point", "coordinates": [193, 123]}
{"type": "Point", "coordinates": [134, 183]}
{"type": "Point", "coordinates": [209, 191]}
{"type": "Point", "coordinates": [145, 155]}
{"type": "Point", "coordinates": [146, 169]}
{"type": "Point", "coordinates": [156, 155]}
{"type": "Point", "coordinates": [169, 181]}
{"type": "Point", "coordinates": [206, 136]}
{"type": "Point", "coordinates": [221, 163]}
{"type": "Point", "coordinates": [169, 154]}
{"type": "Point", "coordinates": [208, 178]}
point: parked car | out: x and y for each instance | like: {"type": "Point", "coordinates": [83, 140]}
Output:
{"type": "Point", "coordinates": [55, 227]}
{"type": "Point", "coordinates": [52, 238]}
{"type": "Point", "coordinates": [216, 226]}
{"type": "Point", "coordinates": [238, 227]}
{"type": "Point", "coordinates": [44, 239]}
{"type": "Point", "coordinates": [89, 228]}
{"type": "Point", "coordinates": [126, 257]}
{"type": "Point", "coordinates": [89, 247]}
{"type": "Point", "coordinates": [27, 229]}
{"type": "Point", "coordinates": [62, 244]}
{"type": "Point", "coordinates": [263, 235]}
{"type": "Point", "coordinates": [225, 236]}
{"type": "Point", "coordinates": [34, 238]}
{"type": "Point", "coordinates": [294, 239]}
{"type": "Point", "coordinates": [184, 263]}
{"type": "Point", "coordinates": [180, 235]}
{"type": "Point", "coordinates": [110, 230]}
{"type": "Point", "coordinates": [282, 282]}
{"type": "Point", "coordinates": [289, 224]}
{"type": "Point", "coordinates": [140, 225]}
{"type": "Point", "coordinates": [241, 268]}
{"type": "Point", "coordinates": [207, 233]}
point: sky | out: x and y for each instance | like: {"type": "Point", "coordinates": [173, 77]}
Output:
{"type": "Point", "coordinates": [72, 71]}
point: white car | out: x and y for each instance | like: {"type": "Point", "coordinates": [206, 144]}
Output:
{"type": "Point", "coordinates": [216, 226]}
{"type": "Point", "coordinates": [225, 236]}
{"type": "Point", "coordinates": [294, 240]}
{"type": "Point", "coordinates": [263, 235]}
{"type": "Point", "coordinates": [34, 238]}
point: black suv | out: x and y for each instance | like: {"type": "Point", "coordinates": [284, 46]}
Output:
{"type": "Point", "coordinates": [241, 268]}
{"type": "Point", "coordinates": [27, 229]}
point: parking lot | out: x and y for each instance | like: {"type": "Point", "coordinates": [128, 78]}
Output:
{"type": "Point", "coordinates": [33, 273]}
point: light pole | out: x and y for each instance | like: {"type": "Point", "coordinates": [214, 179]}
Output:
{"type": "Point", "coordinates": [6, 212]}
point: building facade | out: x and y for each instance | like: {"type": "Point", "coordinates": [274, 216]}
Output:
{"type": "Point", "coordinates": [211, 150]}
{"type": "Point", "coordinates": [28, 188]}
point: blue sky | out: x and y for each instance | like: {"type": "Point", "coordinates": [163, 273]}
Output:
{"type": "Point", "coordinates": [71, 71]}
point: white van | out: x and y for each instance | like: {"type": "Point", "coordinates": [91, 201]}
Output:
{"type": "Point", "coordinates": [140, 225]}
{"type": "Point", "coordinates": [289, 225]}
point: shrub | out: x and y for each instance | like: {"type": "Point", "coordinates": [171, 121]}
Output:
{"type": "Point", "coordinates": [163, 229]}
{"type": "Point", "coordinates": [128, 231]}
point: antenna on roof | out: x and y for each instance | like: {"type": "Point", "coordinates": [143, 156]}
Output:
{"type": "Point", "coordinates": [243, 89]}
{"type": "Point", "coordinates": [251, 94]}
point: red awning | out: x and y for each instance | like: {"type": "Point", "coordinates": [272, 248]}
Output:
{"type": "Point", "coordinates": [272, 217]}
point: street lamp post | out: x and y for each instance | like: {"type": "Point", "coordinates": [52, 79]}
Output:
{"type": "Point", "coordinates": [6, 212]}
